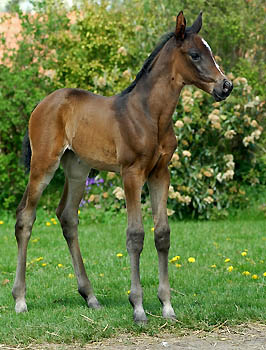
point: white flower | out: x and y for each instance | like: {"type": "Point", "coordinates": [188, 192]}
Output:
{"type": "Point", "coordinates": [179, 124]}
{"type": "Point", "coordinates": [228, 157]}
{"type": "Point", "coordinates": [256, 134]}
{"type": "Point", "coordinates": [187, 120]}
{"type": "Point", "coordinates": [208, 199]}
{"type": "Point", "coordinates": [186, 154]}
{"type": "Point", "coordinates": [219, 177]}
{"type": "Point", "coordinates": [119, 193]}
{"type": "Point", "coordinates": [254, 123]}
{"type": "Point", "coordinates": [230, 165]}
{"type": "Point", "coordinates": [228, 175]}
{"type": "Point", "coordinates": [229, 134]}
{"type": "Point", "coordinates": [170, 212]}
{"type": "Point", "coordinates": [247, 140]}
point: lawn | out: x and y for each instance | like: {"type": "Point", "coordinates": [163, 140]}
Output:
{"type": "Point", "coordinates": [223, 284]}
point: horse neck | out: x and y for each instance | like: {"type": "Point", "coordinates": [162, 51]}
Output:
{"type": "Point", "coordinates": [158, 92]}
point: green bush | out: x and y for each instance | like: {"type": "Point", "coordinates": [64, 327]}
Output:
{"type": "Point", "coordinates": [100, 48]}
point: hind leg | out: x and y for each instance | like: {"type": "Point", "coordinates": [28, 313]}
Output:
{"type": "Point", "coordinates": [40, 176]}
{"type": "Point", "coordinates": [76, 173]}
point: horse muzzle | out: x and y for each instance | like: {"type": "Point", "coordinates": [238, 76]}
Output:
{"type": "Point", "coordinates": [222, 90]}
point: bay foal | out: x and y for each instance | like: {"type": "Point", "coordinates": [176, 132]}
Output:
{"type": "Point", "coordinates": [130, 133]}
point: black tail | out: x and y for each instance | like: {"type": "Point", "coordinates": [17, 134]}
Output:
{"type": "Point", "coordinates": [26, 149]}
{"type": "Point", "coordinates": [26, 152]}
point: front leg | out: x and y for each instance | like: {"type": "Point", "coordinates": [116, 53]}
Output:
{"type": "Point", "coordinates": [158, 183]}
{"type": "Point", "coordinates": [133, 182]}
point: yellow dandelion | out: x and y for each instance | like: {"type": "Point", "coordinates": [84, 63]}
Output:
{"type": "Point", "coordinates": [246, 273]}
{"type": "Point", "coordinates": [152, 229]}
{"type": "Point", "coordinates": [254, 277]}
{"type": "Point", "coordinates": [35, 240]}
{"type": "Point", "coordinates": [174, 259]}
{"type": "Point", "coordinates": [70, 275]}
{"type": "Point", "coordinates": [44, 264]}
{"type": "Point", "coordinates": [78, 212]}
{"type": "Point", "coordinates": [39, 259]}
{"type": "Point", "coordinates": [119, 255]}
{"type": "Point", "coordinates": [244, 253]}
{"type": "Point", "coordinates": [227, 260]}
{"type": "Point", "coordinates": [128, 292]}
{"type": "Point", "coordinates": [178, 265]}
{"type": "Point", "coordinates": [213, 266]}
{"type": "Point", "coordinates": [53, 219]}
{"type": "Point", "coordinates": [191, 260]}
{"type": "Point", "coordinates": [60, 265]}
{"type": "Point", "coordinates": [48, 223]}
{"type": "Point", "coordinates": [54, 222]}
{"type": "Point", "coordinates": [230, 268]}
{"type": "Point", "coordinates": [264, 274]}
{"type": "Point", "coordinates": [1, 222]}
{"type": "Point", "coordinates": [101, 274]}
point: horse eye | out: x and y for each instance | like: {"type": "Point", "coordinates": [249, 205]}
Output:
{"type": "Point", "coordinates": [195, 56]}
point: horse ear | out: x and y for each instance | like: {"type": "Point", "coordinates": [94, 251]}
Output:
{"type": "Point", "coordinates": [180, 26]}
{"type": "Point", "coordinates": [196, 26]}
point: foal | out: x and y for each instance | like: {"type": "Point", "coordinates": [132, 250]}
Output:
{"type": "Point", "coordinates": [130, 133]}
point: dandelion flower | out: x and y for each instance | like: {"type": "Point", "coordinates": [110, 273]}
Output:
{"type": "Point", "coordinates": [48, 223]}
{"type": "Point", "coordinates": [264, 274]}
{"type": "Point", "coordinates": [101, 274]}
{"type": "Point", "coordinates": [44, 264]}
{"type": "Point", "coordinates": [78, 212]}
{"type": "Point", "coordinates": [128, 292]}
{"type": "Point", "coordinates": [230, 268]}
{"type": "Point", "coordinates": [178, 265]}
{"type": "Point", "coordinates": [244, 253]}
{"type": "Point", "coordinates": [39, 259]}
{"type": "Point", "coordinates": [60, 265]}
{"type": "Point", "coordinates": [1, 222]}
{"type": "Point", "coordinates": [213, 266]}
{"type": "Point", "coordinates": [119, 255]}
{"type": "Point", "coordinates": [175, 258]}
{"type": "Point", "coordinates": [227, 260]}
{"type": "Point", "coordinates": [35, 240]}
{"type": "Point", "coordinates": [191, 260]}
{"type": "Point", "coordinates": [246, 273]}
{"type": "Point", "coordinates": [70, 275]}
{"type": "Point", "coordinates": [152, 229]}
{"type": "Point", "coordinates": [254, 277]}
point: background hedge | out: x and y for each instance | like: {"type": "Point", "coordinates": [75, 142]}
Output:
{"type": "Point", "coordinates": [100, 46]}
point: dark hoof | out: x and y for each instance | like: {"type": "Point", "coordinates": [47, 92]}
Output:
{"type": "Point", "coordinates": [93, 303]}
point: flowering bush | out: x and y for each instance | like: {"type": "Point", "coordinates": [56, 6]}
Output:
{"type": "Point", "coordinates": [218, 151]}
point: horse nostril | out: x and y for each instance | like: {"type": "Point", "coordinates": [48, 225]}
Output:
{"type": "Point", "coordinates": [228, 86]}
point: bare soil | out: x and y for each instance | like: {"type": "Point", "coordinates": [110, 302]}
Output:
{"type": "Point", "coordinates": [246, 337]}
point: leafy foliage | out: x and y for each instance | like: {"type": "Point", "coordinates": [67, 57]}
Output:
{"type": "Point", "coordinates": [100, 46]}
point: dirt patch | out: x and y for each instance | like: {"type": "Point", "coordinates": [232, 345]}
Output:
{"type": "Point", "coordinates": [246, 337]}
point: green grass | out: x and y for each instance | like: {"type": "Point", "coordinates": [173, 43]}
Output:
{"type": "Point", "coordinates": [203, 297]}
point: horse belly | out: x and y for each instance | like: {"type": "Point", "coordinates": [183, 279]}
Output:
{"type": "Point", "coordinates": [93, 142]}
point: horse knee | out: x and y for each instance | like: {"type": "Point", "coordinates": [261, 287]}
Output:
{"type": "Point", "coordinates": [162, 238]}
{"type": "Point", "coordinates": [135, 239]}
{"type": "Point", "coordinates": [23, 225]}
{"type": "Point", "coordinates": [69, 223]}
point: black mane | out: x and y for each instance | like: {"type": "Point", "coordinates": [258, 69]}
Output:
{"type": "Point", "coordinates": [148, 61]}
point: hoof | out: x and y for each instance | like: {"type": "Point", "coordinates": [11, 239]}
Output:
{"type": "Point", "coordinates": [140, 318]}
{"type": "Point", "coordinates": [93, 303]}
{"type": "Point", "coordinates": [169, 313]}
{"type": "Point", "coordinates": [21, 306]}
